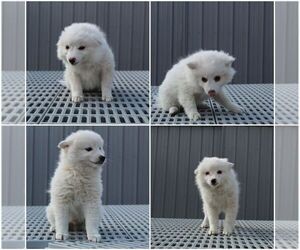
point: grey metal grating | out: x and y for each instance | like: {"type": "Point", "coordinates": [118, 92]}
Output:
{"type": "Point", "coordinates": [186, 233]}
{"type": "Point", "coordinates": [286, 103]}
{"type": "Point", "coordinates": [49, 102]}
{"type": "Point", "coordinates": [13, 227]}
{"type": "Point", "coordinates": [13, 97]}
{"type": "Point", "coordinates": [128, 244]}
{"type": "Point", "coordinates": [112, 230]}
{"type": "Point", "coordinates": [257, 99]}
{"type": "Point", "coordinates": [286, 234]}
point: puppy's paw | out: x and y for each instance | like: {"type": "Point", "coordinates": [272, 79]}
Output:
{"type": "Point", "coordinates": [107, 98]}
{"type": "Point", "coordinates": [227, 232]}
{"type": "Point", "coordinates": [94, 237]}
{"type": "Point", "coordinates": [77, 98]}
{"type": "Point", "coordinates": [173, 111]}
{"type": "Point", "coordinates": [194, 116]}
{"type": "Point", "coordinates": [212, 232]}
{"type": "Point", "coordinates": [204, 225]}
{"type": "Point", "coordinates": [238, 110]}
{"type": "Point", "coordinates": [59, 236]}
{"type": "Point", "coordinates": [52, 229]}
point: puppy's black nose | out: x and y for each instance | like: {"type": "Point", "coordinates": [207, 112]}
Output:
{"type": "Point", "coordinates": [213, 181]}
{"type": "Point", "coordinates": [101, 159]}
{"type": "Point", "coordinates": [72, 60]}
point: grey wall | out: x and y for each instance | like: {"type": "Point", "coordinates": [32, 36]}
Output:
{"type": "Point", "coordinates": [13, 166]}
{"type": "Point", "coordinates": [286, 173]}
{"type": "Point", "coordinates": [176, 152]}
{"type": "Point", "coordinates": [286, 40]}
{"type": "Point", "coordinates": [125, 175]}
{"type": "Point", "coordinates": [13, 36]}
{"type": "Point", "coordinates": [244, 29]}
{"type": "Point", "coordinates": [125, 24]}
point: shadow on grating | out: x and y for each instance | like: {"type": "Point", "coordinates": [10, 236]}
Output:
{"type": "Point", "coordinates": [13, 227]}
{"type": "Point", "coordinates": [286, 234]}
{"type": "Point", "coordinates": [186, 233]}
{"type": "Point", "coordinates": [112, 232]}
{"type": "Point", "coordinates": [13, 97]}
{"type": "Point", "coordinates": [257, 99]}
{"type": "Point", "coordinates": [286, 103]}
{"type": "Point", "coordinates": [49, 102]}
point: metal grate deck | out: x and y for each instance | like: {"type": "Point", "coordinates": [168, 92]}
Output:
{"type": "Point", "coordinates": [286, 234]}
{"type": "Point", "coordinates": [13, 97]}
{"type": "Point", "coordinates": [257, 99]}
{"type": "Point", "coordinates": [286, 103]}
{"type": "Point", "coordinates": [186, 233]}
{"type": "Point", "coordinates": [49, 102]}
{"type": "Point", "coordinates": [121, 228]}
{"type": "Point", "coordinates": [13, 227]}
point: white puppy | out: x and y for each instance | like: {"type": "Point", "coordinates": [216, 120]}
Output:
{"type": "Point", "coordinates": [194, 79]}
{"type": "Point", "coordinates": [76, 187]}
{"type": "Point", "coordinates": [88, 60]}
{"type": "Point", "coordinates": [219, 191]}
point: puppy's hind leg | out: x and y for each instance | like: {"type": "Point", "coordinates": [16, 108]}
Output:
{"type": "Point", "coordinates": [205, 222]}
{"type": "Point", "coordinates": [51, 218]}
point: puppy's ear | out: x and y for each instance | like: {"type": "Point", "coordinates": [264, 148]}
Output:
{"type": "Point", "coordinates": [196, 171]}
{"type": "Point", "coordinates": [229, 165]}
{"type": "Point", "coordinates": [64, 144]}
{"type": "Point", "coordinates": [192, 65]}
{"type": "Point", "coordinates": [229, 60]}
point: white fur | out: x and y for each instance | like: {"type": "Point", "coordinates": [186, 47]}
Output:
{"type": "Point", "coordinates": [184, 87]}
{"type": "Point", "coordinates": [218, 198]}
{"type": "Point", "coordinates": [95, 64]}
{"type": "Point", "coordinates": [76, 187]}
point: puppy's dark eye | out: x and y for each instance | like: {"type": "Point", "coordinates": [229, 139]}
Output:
{"type": "Point", "coordinates": [204, 79]}
{"type": "Point", "coordinates": [219, 172]}
{"type": "Point", "coordinates": [207, 173]}
{"type": "Point", "coordinates": [88, 149]}
{"type": "Point", "coordinates": [67, 47]}
{"type": "Point", "coordinates": [81, 48]}
{"type": "Point", "coordinates": [217, 78]}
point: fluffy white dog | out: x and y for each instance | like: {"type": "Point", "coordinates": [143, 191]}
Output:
{"type": "Point", "coordinates": [194, 79]}
{"type": "Point", "coordinates": [76, 187]}
{"type": "Point", "coordinates": [88, 60]}
{"type": "Point", "coordinates": [219, 189]}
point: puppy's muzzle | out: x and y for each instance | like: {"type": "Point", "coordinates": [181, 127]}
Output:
{"type": "Point", "coordinates": [212, 93]}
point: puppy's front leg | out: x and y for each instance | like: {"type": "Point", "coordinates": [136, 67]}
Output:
{"type": "Point", "coordinates": [205, 222]}
{"type": "Point", "coordinates": [92, 221]}
{"type": "Point", "coordinates": [76, 88]}
{"type": "Point", "coordinates": [61, 213]}
{"type": "Point", "coordinates": [213, 218]}
{"type": "Point", "coordinates": [106, 84]}
{"type": "Point", "coordinates": [222, 99]}
{"type": "Point", "coordinates": [188, 102]}
{"type": "Point", "coordinates": [230, 217]}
